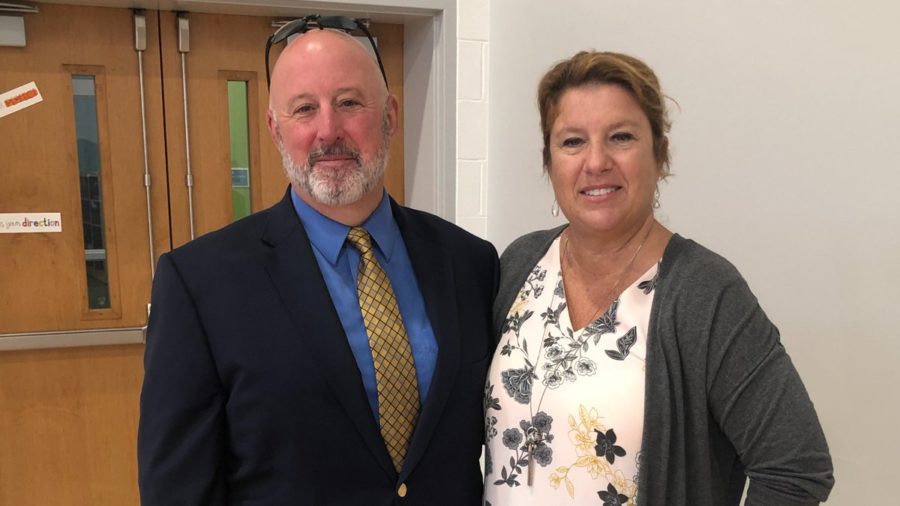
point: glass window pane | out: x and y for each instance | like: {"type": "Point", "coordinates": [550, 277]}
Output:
{"type": "Point", "coordinates": [87, 137]}
{"type": "Point", "coordinates": [240, 149]}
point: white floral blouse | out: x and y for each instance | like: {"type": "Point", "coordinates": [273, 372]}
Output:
{"type": "Point", "coordinates": [577, 395]}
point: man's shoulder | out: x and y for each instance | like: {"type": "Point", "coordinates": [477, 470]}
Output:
{"type": "Point", "coordinates": [238, 238]}
{"type": "Point", "coordinates": [437, 230]}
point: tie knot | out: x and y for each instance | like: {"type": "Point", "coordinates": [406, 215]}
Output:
{"type": "Point", "coordinates": [360, 239]}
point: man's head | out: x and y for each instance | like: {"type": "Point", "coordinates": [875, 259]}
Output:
{"type": "Point", "coordinates": [332, 118]}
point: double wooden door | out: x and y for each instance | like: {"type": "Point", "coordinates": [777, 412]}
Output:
{"type": "Point", "coordinates": [151, 130]}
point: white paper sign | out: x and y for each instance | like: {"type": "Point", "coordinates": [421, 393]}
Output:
{"type": "Point", "coordinates": [19, 98]}
{"type": "Point", "coordinates": [30, 223]}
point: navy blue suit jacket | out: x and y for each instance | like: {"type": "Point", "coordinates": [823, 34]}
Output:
{"type": "Point", "coordinates": [252, 396]}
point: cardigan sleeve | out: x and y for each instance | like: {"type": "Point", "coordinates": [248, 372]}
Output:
{"type": "Point", "coordinates": [758, 400]}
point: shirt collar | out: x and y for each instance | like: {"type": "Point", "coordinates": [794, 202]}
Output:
{"type": "Point", "coordinates": [328, 236]}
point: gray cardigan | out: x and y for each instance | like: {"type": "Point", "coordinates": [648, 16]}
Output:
{"type": "Point", "coordinates": [723, 401]}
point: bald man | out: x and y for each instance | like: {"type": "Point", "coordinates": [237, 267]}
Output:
{"type": "Point", "coordinates": [260, 384]}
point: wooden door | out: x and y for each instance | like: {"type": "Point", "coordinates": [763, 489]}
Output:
{"type": "Point", "coordinates": [95, 273]}
{"type": "Point", "coordinates": [68, 416]}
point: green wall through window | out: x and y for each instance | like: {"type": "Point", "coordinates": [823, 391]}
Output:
{"type": "Point", "coordinates": [240, 149]}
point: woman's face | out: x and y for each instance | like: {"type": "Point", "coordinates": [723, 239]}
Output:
{"type": "Point", "coordinates": [602, 165]}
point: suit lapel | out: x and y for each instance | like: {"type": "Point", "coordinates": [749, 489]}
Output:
{"type": "Point", "coordinates": [433, 267]}
{"type": "Point", "coordinates": [294, 271]}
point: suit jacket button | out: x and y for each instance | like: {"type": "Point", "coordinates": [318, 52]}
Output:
{"type": "Point", "coordinates": [401, 490]}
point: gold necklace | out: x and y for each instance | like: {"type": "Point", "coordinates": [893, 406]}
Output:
{"type": "Point", "coordinates": [614, 290]}
{"type": "Point", "coordinates": [534, 437]}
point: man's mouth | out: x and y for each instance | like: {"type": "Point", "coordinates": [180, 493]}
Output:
{"type": "Point", "coordinates": [338, 153]}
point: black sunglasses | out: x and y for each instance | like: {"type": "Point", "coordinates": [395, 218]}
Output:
{"type": "Point", "coordinates": [304, 24]}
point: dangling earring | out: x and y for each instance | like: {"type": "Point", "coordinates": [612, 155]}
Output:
{"type": "Point", "coordinates": [554, 209]}
{"type": "Point", "coordinates": [656, 198]}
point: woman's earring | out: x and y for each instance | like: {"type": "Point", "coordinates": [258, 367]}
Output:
{"type": "Point", "coordinates": [656, 198]}
{"type": "Point", "coordinates": [554, 209]}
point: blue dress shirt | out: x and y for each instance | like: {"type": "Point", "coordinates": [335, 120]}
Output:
{"type": "Point", "coordinates": [339, 263]}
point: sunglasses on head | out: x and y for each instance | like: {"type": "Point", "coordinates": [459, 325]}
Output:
{"type": "Point", "coordinates": [307, 23]}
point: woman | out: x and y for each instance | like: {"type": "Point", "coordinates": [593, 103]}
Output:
{"type": "Point", "coordinates": [634, 366]}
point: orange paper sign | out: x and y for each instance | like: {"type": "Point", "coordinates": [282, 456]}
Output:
{"type": "Point", "coordinates": [19, 98]}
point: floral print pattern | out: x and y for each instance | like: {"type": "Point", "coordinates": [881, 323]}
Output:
{"type": "Point", "coordinates": [514, 439]}
{"type": "Point", "coordinates": [591, 380]}
{"type": "Point", "coordinates": [606, 446]}
{"type": "Point", "coordinates": [595, 452]}
{"type": "Point", "coordinates": [612, 497]}
{"type": "Point", "coordinates": [517, 383]}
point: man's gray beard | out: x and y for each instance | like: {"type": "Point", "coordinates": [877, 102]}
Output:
{"type": "Point", "coordinates": [331, 188]}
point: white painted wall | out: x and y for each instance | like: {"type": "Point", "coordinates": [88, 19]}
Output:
{"type": "Point", "coordinates": [786, 161]}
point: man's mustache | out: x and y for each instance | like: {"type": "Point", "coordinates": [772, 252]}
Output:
{"type": "Point", "coordinates": [334, 149]}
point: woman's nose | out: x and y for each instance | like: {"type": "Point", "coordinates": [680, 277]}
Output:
{"type": "Point", "coordinates": [598, 159]}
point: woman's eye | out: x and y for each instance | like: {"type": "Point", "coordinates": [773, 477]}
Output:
{"type": "Point", "coordinates": [572, 142]}
{"type": "Point", "coordinates": [622, 137]}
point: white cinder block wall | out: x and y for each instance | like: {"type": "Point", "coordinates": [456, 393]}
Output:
{"type": "Point", "coordinates": [473, 25]}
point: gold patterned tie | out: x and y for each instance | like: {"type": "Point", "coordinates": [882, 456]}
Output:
{"type": "Point", "coordinates": [395, 370]}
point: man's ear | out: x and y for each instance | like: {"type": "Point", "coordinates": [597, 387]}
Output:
{"type": "Point", "coordinates": [272, 124]}
{"type": "Point", "coordinates": [393, 114]}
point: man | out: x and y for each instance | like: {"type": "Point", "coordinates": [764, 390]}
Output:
{"type": "Point", "coordinates": [260, 384]}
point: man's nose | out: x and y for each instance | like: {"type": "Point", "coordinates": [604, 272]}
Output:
{"type": "Point", "coordinates": [330, 127]}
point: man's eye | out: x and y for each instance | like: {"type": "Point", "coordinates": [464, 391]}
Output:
{"type": "Point", "coordinates": [572, 142]}
{"type": "Point", "coordinates": [304, 109]}
{"type": "Point", "coordinates": [348, 103]}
